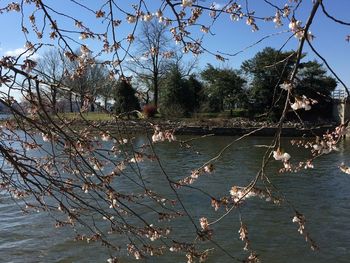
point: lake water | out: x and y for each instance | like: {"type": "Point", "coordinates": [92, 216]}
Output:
{"type": "Point", "coordinates": [322, 194]}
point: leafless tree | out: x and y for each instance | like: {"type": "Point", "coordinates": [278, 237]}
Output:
{"type": "Point", "coordinates": [87, 82]}
{"type": "Point", "coordinates": [154, 50]}
{"type": "Point", "coordinates": [51, 68]}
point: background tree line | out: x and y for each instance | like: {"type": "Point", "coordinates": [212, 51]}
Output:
{"type": "Point", "coordinates": [253, 90]}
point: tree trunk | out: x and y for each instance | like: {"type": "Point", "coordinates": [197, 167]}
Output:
{"type": "Point", "coordinates": [155, 86]}
{"type": "Point", "coordinates": [54, 99]}
{"type": "Point", "coordinates": [70, 98]}
{"type": "Point", "coordinates": [105, 103]}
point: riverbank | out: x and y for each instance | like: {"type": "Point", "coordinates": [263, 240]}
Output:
{"type": "Point", "coordinates": [192, 126]}
{"type": "Point", "coordinates": [219, 127]}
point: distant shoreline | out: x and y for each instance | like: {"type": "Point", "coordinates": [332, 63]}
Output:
{"type": "Point", "coordinates": [200, 127]}
{"type": "Point", "coordinates": [225, 127]}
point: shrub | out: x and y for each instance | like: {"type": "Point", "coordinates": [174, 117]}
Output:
{"type": "Point", "coordinates": [239, 113]}
{"type": "Point", "coordinates": [172, 111]}
{"type": "Point", "coordinates": [149, 110]}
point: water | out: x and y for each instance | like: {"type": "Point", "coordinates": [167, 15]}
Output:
{"type": "Point", "coordinates": [5, 116]}
{"type": "Point", "coordinates": [321, 194]}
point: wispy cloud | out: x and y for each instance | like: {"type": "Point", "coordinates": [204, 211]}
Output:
{"type": "Point", "coordinates": [21, 51]}
{"type": "Point", "coordinates": [217, 5]}
{"type": "Point", "coordinates": [15, 52]}
{"type": "Point", "coordinates": [142, 58]}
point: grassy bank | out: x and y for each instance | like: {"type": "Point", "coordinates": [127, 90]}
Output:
{"type": "Point", "coordinates": [90, 116]}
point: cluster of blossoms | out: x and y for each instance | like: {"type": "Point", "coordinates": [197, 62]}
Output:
{"type": "Point", "coordinates": [296, 168]}
{"type": "Point", "coordinates": [279, 155]}
{"type": "Point", "coordinates": [112, 260]}
{"type": "Point", "coordinates": [13, 7]}
{"type": "Point", "coordinates": [252, 258]}
{"type": "Point", "coordinates": [153, 251]}
{"type": "Point", "coordinates": [28, 65]}
{"type": "Point", "coordinates": [176, 247]}
{"type": "Point", "coordinates": [154, 233]}
{"type": "Point", "coordinates": [235, 11]}
{"type": "Point", "coordinates": [132, 250]}
{"type": "Point", "coordinates": [251, 22]}
{"type": "Point", "coordinates": [196, 13]}
{"type": "Point", "coordinates": [49, 137]}
{"type": "Point", "coordinates": [195, 174]}
{"type": "Point", "coordinates": [277, 19]}
{"type": "Point", "coordinates": [344, 168]}
{"type": "Point", "coordinates": [97, 165]}
{"type": "Point", "coordinates": [286, 86]}
{"type": "Point", "coordinates": [286, 10]}
{"type": "Point", "coordinates": [298, 30]}
{"type": "Point", "coordinates": [187, 3]}
{"type": "Point", "coordinates": [85, 51]}
{"type": "Point", "coordinates": [206, 233]}
{"type": "Point", "coordinates": [303, 103]}
{"type": "Point", "coordinates": [203, 221]}
{"type": "Point", "coordinates": [204, 29]}
{"type": "Point", "coordinates": [105, 136]}
{"type": "Point", "coordinates": [4, 79]}
{"type": "Point", "coordinates": [160, 136]}
{"type": "Point", "coordinates": [300, 220]}
{"type": "Point", "coordinates": [191, 253]}
{"type": "Point", "coordinates": [168, 216]}
{"type": "Point", "coordinates": [30, 146]}
{"type": "Point", "coordinates": [325, 145]}
{"type": "Point", "coordinates": [239, 194]}
{"type": "Point", "coordinates": [88, 239]}
{"type": "Point", "coordinates": [138, 158]}
{"type": "Point", "coordinates": [243, 235]}
{"type": "Point", "coordinates": [341, 130]}
{"type": "Point", "coordinates": [278, 16]}
{"type": "Point", "coordinates": [217, 203]}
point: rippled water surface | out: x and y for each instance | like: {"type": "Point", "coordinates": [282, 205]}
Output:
{"type": "Point", "coordinates": [322, 194]}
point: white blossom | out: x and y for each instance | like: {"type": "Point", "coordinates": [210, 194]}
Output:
{"type": "Point", "coordinates": [187, 3]}
{"type": "Point", "coordinates": [277, 19]}
{"type": "Point", "coordinates": [131, 19]}
{"type": "Point", "coordinates": [280, 156]}
{"type": "Point", "coordinates": [286, 86]}
{"type": "Point", "coordinates": [302, 103]}
{"type": "Point", "coordinates": [147, 17]}
{"type": "Point", "coordinates": [204, 29]}
{"type": "Point", "coordinates": [344, 168]}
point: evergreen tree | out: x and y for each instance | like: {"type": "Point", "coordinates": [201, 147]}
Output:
{"type": "Point", "coordinates": [314, 83]}
{"type": "Point", "coordinates": [196, 88]}
{"type": "Point", "coordinates": [224, 87]}
{"type": "Point", "coordinates": [178, 98]}
{"type": "Point", "coordinates": [265, 72]}
{"type": "Point", "coordinates": [125, 97]}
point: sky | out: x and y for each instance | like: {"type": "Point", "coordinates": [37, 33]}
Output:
{"type": "Point", "coordinates": [228, 36]}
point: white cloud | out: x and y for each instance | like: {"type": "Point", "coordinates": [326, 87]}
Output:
{"type": "Point", "coordinates": [217, 5]}
{"type": "Point", "coordinates": [21, 51]}
{"type": "Point", "coordinates": [16, 52]}
{"type": "Point", "coordinates": [142, 58]}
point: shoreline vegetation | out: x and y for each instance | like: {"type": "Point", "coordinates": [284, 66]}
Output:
{"type": "Point", "coordinates": [220, 126]}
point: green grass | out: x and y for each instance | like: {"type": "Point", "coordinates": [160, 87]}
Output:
{"type": "Point", "coordinates": [98, 116]}
{"type": "Point", "coordinates": [91, 116]}
{"type": "Point", "coordinates": [224, 114]}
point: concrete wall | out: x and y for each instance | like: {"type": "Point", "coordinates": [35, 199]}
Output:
{"type": "Point", "coordinates": [341, 110]}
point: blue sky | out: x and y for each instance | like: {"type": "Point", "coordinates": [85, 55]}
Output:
{"type": "Point", "coordinates": [230, 37]}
